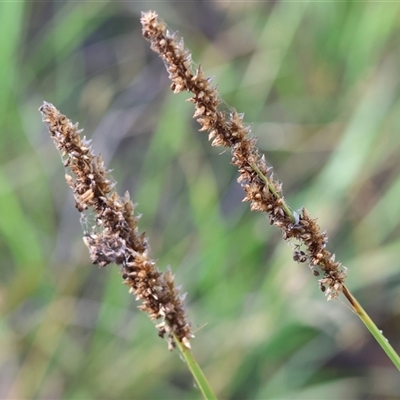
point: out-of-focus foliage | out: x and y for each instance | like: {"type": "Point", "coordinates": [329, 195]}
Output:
{"type": "Point", "coordinates": [320, 84]}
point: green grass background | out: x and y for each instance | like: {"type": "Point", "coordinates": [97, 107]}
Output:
{"type": "Point", "coordinates": [319, 82]}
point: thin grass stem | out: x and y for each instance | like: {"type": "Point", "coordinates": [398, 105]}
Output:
{"type": "Point", "coordinates": [272, 189]}
{"type": "Point", "coordinates": [369, 323]}
{"type": "Point", "coordinates": [355, 305]}
{"type": "Point", "coordinates": [197, 372]}
{"type": "Point", "coordinates": [115, 238]}
{"type": "Point", "coordinates": [262, 191]}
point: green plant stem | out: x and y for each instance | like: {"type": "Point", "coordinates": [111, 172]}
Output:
{"type": "Point", "coordinates": [355, 305]}
{"type": "Point", "coordinates": [271, 188]}
{"type": "Point", "coordinates": [376, 333]}
{"type": "Point", "coordinates": [196, 371]}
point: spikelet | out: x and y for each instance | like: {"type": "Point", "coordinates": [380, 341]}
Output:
{"type": "Point", "coordinates": [227, 129]}
{"type": "Point", "coordinates": [114, 237]}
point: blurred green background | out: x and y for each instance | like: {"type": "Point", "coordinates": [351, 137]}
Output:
{"type": "Point", "coordinates": [320, 84]}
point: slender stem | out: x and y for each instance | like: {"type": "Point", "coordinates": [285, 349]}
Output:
{"type": "Point", "coordinates": [376, 333]}
{"type": "Point", "coordinates": [356, 306]}
{"type": "Point", "coordinates": [229, 131]}
{"type": "Point", "coordinates": [197, 372]}
{"type": "Point", "coordinates": [271, 188]}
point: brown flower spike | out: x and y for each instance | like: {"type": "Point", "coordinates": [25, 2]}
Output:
{"type": "Point", "coordinates": [114, 237]}
{"type": "Point", "coordinates": [227, 129]}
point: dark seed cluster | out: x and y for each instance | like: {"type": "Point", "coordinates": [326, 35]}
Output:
{"type": "Point", "coordinates": [263, 191]}
{"type": "Point", "coordinates": [114, 236]}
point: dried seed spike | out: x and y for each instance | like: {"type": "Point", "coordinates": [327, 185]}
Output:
{"type": "Point", "coordinates": [227, 129]}
{"type": "Point", "coordinates": [114, 237]}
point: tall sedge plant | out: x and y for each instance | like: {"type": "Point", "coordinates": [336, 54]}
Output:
{"type": "Point", "coordinates": [263, 190]}
{"type": "Point", "coordinates": [113, 237]}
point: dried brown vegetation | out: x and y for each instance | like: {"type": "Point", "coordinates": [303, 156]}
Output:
{"type": "Point", "coordinates": [225, 129]}
{"type": "Point", "coordinates": [114, 236]}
